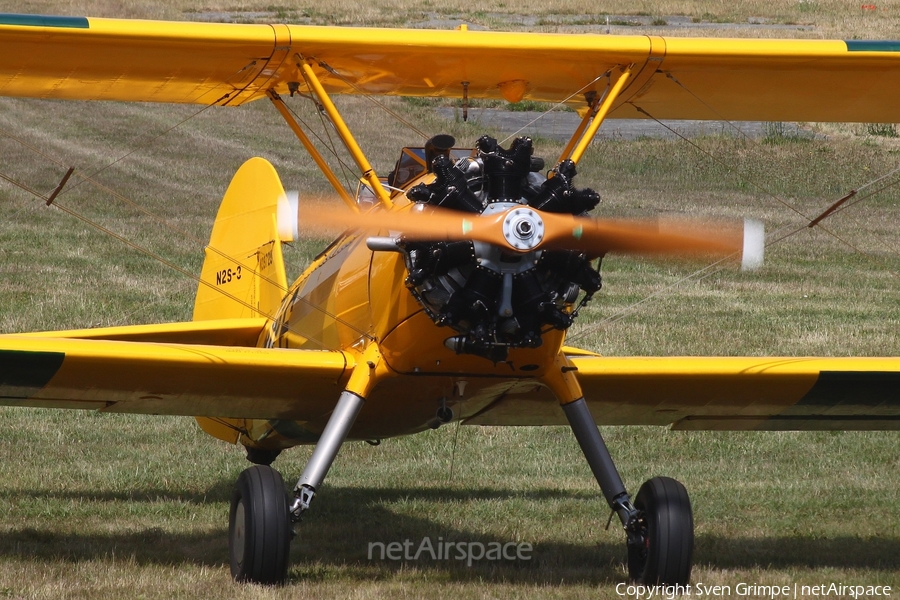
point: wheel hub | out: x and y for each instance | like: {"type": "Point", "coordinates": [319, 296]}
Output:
{"type": "Point", "coordinates": [239, 532]}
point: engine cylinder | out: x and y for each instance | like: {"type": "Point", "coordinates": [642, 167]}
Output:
{"type": "Point", "coordinates": [493, 298]}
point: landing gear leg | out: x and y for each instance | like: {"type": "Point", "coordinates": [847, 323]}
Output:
{"type": "Point", "coordinates": [659, 525]}
{"type": "Point", "coordinates": [330, 441]}
{"type": "Point", "coordinates": [259, 530]}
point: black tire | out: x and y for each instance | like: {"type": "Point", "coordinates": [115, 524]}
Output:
{"type": "Point", "coordinates": [668, 523]}
{"type": "Point", "coordinates": [259, 527]}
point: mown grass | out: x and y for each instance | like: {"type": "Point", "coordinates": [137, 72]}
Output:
{"type": "Point", "coordinates": [103, 506]}
{"type": "Point", "coordinates": [88, 516]}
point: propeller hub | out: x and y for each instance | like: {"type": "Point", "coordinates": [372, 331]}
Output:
{"type": "Point", "coordinates": [523, 229]}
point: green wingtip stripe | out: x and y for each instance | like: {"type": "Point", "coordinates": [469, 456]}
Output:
{"type": "Point", "coordinates": [842, 393]}
{"type": "Point", "coordinates": [22, 373]}
{"type": "Point", "coordinates": [873, 45]}
{"type": "Point", "coordinates": [44, 21]}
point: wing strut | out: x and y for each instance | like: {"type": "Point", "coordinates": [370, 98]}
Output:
{"type": "Point", "coordinates": [313, 152]}
{"type": "Point", "coordinates": [595, 118]}
{"type": "Point", "coordinates": [593, 101]}
{"type": "Point", "coordinates": [355, 151]}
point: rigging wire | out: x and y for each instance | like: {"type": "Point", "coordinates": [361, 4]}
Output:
{"type": "Point", "coordinates": [312, 132]}
{"type": "Point", "coordinates": [701, 273]}
{"type": "Point", "coordinates": [725, 165]}
{"type": "Point", "coordinates": [252, 270]}
{"type": "Point", "coordinates": [840, 205]}
{"type": "Point", "coordinates": [326, 122]}
{"type": "Point", "coordinates": [624, 312]}
{"type": "Point", "coordinates": [560, 104]}
{"type": "Point", "coordinates": [153, 255]}
{"type": "Point", "coordinates": [91, 179]}
{"type": "Point", "coordinates": [330, 144]}
{"type": "Point", "coordinates": [714, 268]}
{"type": "Point", "coordinates": [766, 191]}
{"type": "Point", "coordinates": [859, 199]}
{"type": "Point", "coordinates": [374, 100]}
{"type": "Point", "coordinates": [137, 148]}
{"type": "Point", "coordinates": [146, 212]}
{"type": "Point", "coordinates": [222, 98]}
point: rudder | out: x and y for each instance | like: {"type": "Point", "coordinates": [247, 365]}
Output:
{"type": "Point", "coordinates": [243, 272]}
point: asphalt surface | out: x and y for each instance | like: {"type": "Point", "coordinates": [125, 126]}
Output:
{"type": "Point", "coordinates": [560, 125]}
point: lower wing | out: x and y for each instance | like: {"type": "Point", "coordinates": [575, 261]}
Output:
{"type": "Point", "coordinates": [169, 370]}
{"type": "Point", "coordinates": [725, 393]}
{"type": "Point", "coordinates": [213, 369]}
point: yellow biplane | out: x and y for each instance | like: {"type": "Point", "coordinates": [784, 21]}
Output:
{"type": "Point", "coordinates": [450, 293]}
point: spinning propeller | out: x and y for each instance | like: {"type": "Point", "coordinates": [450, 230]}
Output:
{"type": "Point", "coordinates": [524, 229]}
{"type": "Point", "coordinates": [501, 255]}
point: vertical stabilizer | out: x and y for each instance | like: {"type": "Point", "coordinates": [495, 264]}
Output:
{"type": "Point", "coordinates": [243, 272]}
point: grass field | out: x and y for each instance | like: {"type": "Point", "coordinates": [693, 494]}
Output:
{"type": "Point", "coordinates": [757, 18]}
{"type": "Point", "coordinates": [103, 506]}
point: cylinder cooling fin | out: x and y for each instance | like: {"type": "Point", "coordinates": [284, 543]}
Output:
{"type": "Point", "coordinates": [492, 298]}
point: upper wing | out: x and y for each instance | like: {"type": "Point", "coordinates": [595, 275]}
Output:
{"type": "Point", "coordinates": [674, 78]}
{"type": "Point", "coordinates": [721, 393]}
{"type": "Point", "coordinates": [170, 378]}
{"type": "Point", "coordinates": [109, 59]}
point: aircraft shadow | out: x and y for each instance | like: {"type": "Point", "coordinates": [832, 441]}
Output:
{"type": "Point", "coordinates": [347, 520]}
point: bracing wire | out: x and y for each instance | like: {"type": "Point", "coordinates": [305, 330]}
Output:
{"type": "Point", "coordinates": [326, 122]}
{"type": "Point", "coordinates": [836, 207]}
{"type": "Point", "coordinates": [155, 256]}
{"type": "Point", "coordinates": [333, 151]}
{"type": "Point", "coordinates": [768, 192]}
{"type": "Point", "coordinates": [137, 148]}
{"type": "Point", "coordinates": [91, 179]}
{"type": "Point", "coordinates": [374, 100]}
{"type": "Point", "coordinates": [780, 235]}
{"type": "Point", "coordinates": [699, 274]}
{"type": "Point", "coordinates": [556, 106]}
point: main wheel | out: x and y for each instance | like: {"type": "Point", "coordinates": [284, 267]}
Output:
{"type": "Point", "coordinates": [259, 527]}
{"type": "Point", "coordinates": [668, 527]}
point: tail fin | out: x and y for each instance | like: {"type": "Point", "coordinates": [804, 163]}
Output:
{"type": "Point", "coordinates": [243, 272]}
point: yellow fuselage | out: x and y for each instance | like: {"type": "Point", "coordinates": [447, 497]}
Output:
{"type": "Point", "coordinates": [351, 297]}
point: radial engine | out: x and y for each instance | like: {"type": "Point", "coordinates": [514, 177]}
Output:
{"type": "Point", "coordinates": [496, 299]}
